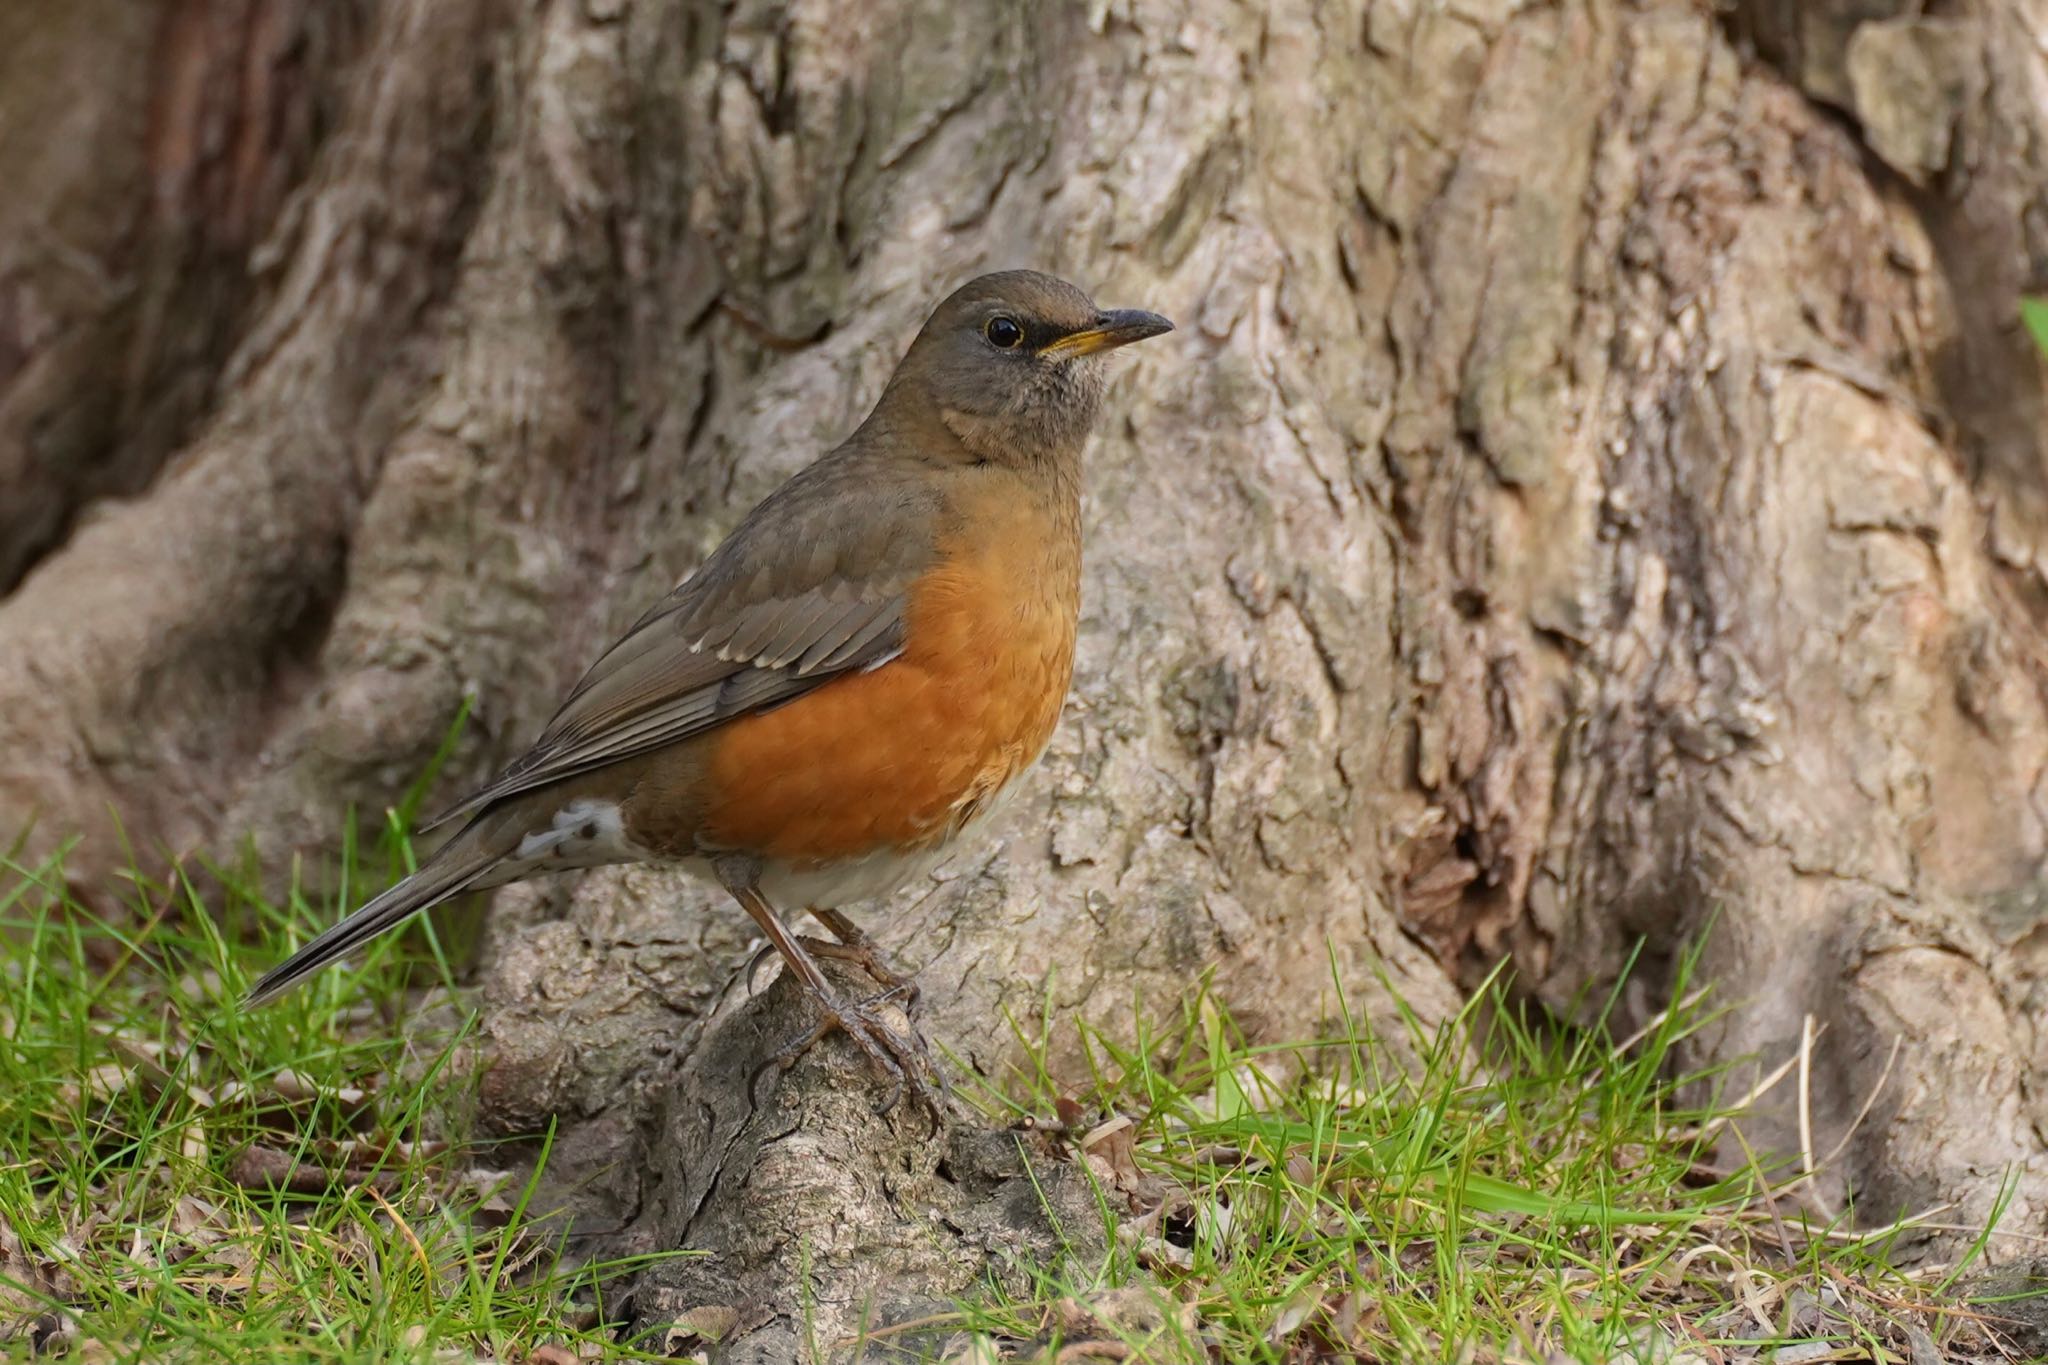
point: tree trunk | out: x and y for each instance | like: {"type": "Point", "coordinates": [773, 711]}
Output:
{"type": "Point", "coordinates": [1597, 489]}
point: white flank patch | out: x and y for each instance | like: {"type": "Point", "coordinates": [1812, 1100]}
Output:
{"type": "Point", "coordinates": [585, 833]}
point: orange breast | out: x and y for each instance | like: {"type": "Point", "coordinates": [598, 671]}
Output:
{"type": "Point", "coordinates": [902, 756]}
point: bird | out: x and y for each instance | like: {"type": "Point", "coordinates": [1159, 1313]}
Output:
{"type": "Point", "coordinates": [848, 684]}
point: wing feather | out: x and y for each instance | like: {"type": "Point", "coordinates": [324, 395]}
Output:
{"type": "Point", "coordinates": [863, 643]}
{"type": "Point", "coordinates": [795, 631]}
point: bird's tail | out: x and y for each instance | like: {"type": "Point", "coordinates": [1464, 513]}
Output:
{"type": "Point", "coordinates": [447, 873]}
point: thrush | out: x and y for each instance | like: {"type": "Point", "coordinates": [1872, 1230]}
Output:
{"type": "Point", "coordinates": [850, 682]}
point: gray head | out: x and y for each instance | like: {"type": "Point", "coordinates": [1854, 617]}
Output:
{"type": "Point", "coordinates": [1011, 364]}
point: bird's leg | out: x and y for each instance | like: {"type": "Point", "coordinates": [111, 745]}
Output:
{"type": "Point", "coordinates": [856, 947]}
{"type": "Point", "coordinates": [904, 1061]}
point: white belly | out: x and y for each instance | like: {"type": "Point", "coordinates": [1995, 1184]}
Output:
{"type": "Point", "coordinates": [791, 888]}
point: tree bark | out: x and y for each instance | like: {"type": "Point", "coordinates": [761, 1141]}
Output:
{"type": "Point", "coordinates": [148, 153]}
{"type": "Point", "coordinates": [1596, 491]}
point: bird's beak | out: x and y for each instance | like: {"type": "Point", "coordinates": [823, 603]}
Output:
{"type": "Point", "coordinates": [1118, 327]}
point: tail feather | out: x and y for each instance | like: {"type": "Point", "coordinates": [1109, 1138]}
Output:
{"type": "Point", "coordinates": [441, 878]}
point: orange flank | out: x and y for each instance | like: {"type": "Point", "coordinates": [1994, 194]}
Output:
{"type": "Point", "coordinates": [902, 756]}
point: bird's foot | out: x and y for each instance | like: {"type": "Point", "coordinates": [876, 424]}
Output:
{"type": "Point", "coordinates": [860, 950]}
{"type": "Point", "coordinates": [906, 1062]}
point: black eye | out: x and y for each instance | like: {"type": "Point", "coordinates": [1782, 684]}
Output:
{"type": "Point", "coordinates": [1003, 333]}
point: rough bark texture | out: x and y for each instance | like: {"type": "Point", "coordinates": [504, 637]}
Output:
{"type": "Point", "coordinates": [1598, 486]}
{"type": "Point", "coordinates": [146, 152]}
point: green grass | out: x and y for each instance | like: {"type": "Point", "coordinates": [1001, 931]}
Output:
{"type": "Point", "coordinates": [2034, 317]}
{"type": "Point", "coordinates": [1514, 1191]}
{"type": "Point", "coordinates": [182, 1181]}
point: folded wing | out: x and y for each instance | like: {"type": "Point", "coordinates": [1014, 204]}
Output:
{"type": "Point", "coordinates": [815, 583]}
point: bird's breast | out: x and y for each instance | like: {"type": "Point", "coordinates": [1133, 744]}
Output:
{"type": "Point", "coordinates": [905, 755]}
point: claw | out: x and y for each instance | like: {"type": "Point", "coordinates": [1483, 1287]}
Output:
{"type": "Point", "coordinates": [754, 966]}
{"type": "Point", "coordinates": [904, 1062]}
